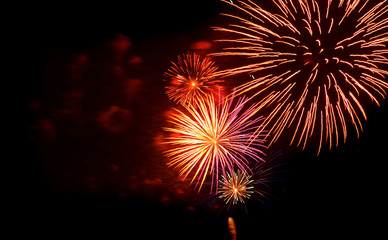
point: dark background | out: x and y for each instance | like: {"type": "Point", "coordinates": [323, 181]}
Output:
{"type": "Point", "coordinates": [83, 177]}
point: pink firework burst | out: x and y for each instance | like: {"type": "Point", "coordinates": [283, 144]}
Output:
{"type": "Point", "coordinates": [212, 139]}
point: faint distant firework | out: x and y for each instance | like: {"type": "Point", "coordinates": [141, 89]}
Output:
{"type": "Point", "coordinates": [312, 63]}
{"type": "Point", "coordinates": [213, 139]}
{"type": "Point", "coordinates": [191, 77]}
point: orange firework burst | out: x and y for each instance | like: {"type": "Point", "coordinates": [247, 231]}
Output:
{"type": "Point", "coordinates": [191, 77]}
{"type": "Point", "coordinates": [213, 138]}
{"type": "Point", "coordinates": [313, 63]}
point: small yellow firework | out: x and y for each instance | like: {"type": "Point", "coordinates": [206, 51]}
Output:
{"type": "Point", "coordinates": [235, 187]}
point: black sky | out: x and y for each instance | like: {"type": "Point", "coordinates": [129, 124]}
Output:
{"type": "Point", "coordinates": [86, 180]}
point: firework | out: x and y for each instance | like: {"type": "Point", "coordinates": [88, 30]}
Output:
{"type": "Point", "coordinates": [312, 63]}
{"type": "Point", "coordinates": [191, 77]}
{"type": "Point", "coordinates": [235, 187]}
{"type": "Point", "coordinates": [212, 139]}
{"type": "Point", "coordinates": [238, 187]}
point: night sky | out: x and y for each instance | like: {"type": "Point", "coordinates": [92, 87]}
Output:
{"type": "Point", "coordinates": [95, 111]}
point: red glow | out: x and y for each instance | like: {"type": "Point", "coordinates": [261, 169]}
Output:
{"type": "Point", "coordinates": [201, 45]}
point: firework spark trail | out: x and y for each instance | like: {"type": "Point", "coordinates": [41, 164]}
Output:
{"type": "Point", "coordinates": [191, 77]}
{"type": "Point", "coordinates": [213, 139]}
{"type": "Point", "coordinates": [314, 61]}
{"type": "Point", "coordinates": [232, 228]}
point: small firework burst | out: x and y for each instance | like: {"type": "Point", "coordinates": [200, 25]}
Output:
{"type": "Point", "coordinates": [213, 138]}
{"type": "Point", "coordinates": [235, 187]}
{"type": "Point", "coordinates": [313, 63]}
{"type": "Point", "coordinates": [191, 78]}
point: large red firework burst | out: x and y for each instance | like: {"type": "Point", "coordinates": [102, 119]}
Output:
{"type": "Point", "coordinates": [191, 78]}
{"type": "Point", "coordinates": [312, 63]}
